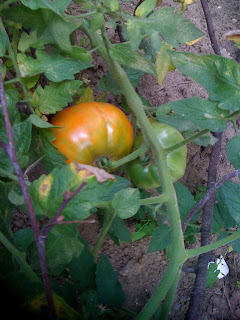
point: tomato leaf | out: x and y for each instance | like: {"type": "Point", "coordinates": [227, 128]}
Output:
{"type": "Point", "coordinates": [145, 8]}
{"type": "Point", "coordinates": [108, 83]}
{"type": "Point", "coordinates": [229, 192]}
{"type": "Point", "coordinates": [134, 33]}
{"type": "Point", "coordinates": [23, 238]}
{"type": "Point", "coordinates": [61, 247]}
{"type": "Point", "coordinates": [56, 66]}
{"type": "Point", "coordinates": [123, 54]}
{"type": "Point", "coordinates": [163, 62]}
{"type": "Point", "coordinates": [233, 151]}
{"type": "Point", "coordinates": [186, 201]}
{"type": "Point", "coordinates": [38, 122]}
{"type": "Point", "coordinates": [109, 289]}
{"type": "Point", "coordinates": [58, 6]}
{"type": "Point", "coordinates": [212, 275]}
{"type": "Point", "coordinates": [4, 42]}
{"type": "Point", "coordinates": [55, 96]}
{"type": "Point", "coordinates": [204, 113]}
{"type": "Point", "coordinates": [126, 202]}
{"type": "Point", "coordinates": [172, 27]}
{"type": "Point", "coordinates": [83, 268]}
{"type": "Point", "coordinates": [119, 231]}
{"type": "Point", "coordinates": [221, 215]}
{"type": "Point", "coordinates": [220, 76]}
{"type": "Point", "coordinates": [161, 238]}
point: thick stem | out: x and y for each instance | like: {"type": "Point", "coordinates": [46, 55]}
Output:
{"type": "Point", "coordinates": [134, 102]}
{"type": "Point", "coordinates": [166, 306]}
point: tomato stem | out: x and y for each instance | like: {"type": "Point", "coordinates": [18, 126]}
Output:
{"type": "Point", "coordinates": [132, 156]}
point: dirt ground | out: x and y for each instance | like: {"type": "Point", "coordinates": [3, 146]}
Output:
{"type": "Point", "coordinates": [139, 271]}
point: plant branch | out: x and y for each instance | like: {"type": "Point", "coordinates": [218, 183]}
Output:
{"type": "Point", "coordinates": [10, 150]}
{"type": "Point", "coordinates": [210, 247]}
{"type": "Point", "coordinates": [67, 197]}
{"type": "Point", "coordinates": [208, 195]}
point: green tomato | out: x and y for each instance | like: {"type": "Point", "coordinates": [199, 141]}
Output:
{"type": "Point", "coordinates": [145, 175]}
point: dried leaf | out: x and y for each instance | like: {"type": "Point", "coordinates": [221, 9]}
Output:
{"type": "Point", "coordinates": [101, 175]}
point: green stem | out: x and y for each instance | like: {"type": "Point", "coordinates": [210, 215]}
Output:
{"type": "Point", "coordinates": [158, 199]}
{"type": "Point", "coordinates": [177, 248]}
{"type": "Point", "coordinates": [130, 157]}
{"type": "Point", "coordinates": [197, 251]}
{"type": "Point", "coordinates": [81, 15]}
{"type": "Point", "coordinates": [186, 141]}
{"type": "Point", "coordinates": [19, 256]}
{"type": "Point", "coordinates": [166, 306]}
{"type": "Point", "coordinates": [108, 219]}
{"type": "Point", "coordinates": [8, 175]}
{"type": "Point", "coordinates": [235, 127]}
{"type": "Point", "coordinates": [11, 81]}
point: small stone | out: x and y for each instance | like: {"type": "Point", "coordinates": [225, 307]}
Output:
{"type": "Point", "coordinates": [234, 20]}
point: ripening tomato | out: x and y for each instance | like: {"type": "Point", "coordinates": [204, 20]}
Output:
{"type": "Point", "coordinates": [91, 130]}
{"type": "Point", "coordinates": [144, 174]}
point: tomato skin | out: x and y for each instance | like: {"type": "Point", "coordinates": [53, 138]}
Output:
{"type": "Point", "coordinates": [146, 176]}
{"type": "Point", "coordinates": [91, 130]}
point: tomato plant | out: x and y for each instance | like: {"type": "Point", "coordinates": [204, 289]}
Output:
{"type": "Point", "coordinates": [144, 172]}
{"type": "Point", "coordinates": [44, 62]}
{"type": "Point", "coordinates": [91, 130]}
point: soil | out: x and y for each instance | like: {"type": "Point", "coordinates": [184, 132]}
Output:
{"type": "Point", "coordinates": [140, 272]}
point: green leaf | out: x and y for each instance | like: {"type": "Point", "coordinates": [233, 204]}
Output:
{"type": "Point", "coordinates": [38, 122]}
{"type": "Point", "coordinates": [126, 202]}
{"type": "Point", "coordinates": [212, 275]}
{"type": "Point", "coordinates": [176, 121]}
{"type": "Point", "coordinates": [220, 76]}
{"type": "Point", "coordinates": [233, 151]}
{"type": "Point", "coordinates": [55, 96]}
{"type": "Point", "coordinates": [134, 33]}
{"type": "Point", "coordinates": [23, 238]}
{"type": "Point", "coordinates": [57, 6]}
{"type": "Point", "coordinates": [4, 42]}
{"type": "Point", "coordinates": [119, 230]}
{"type": "Point", "coordinates": [27, 40]}
{"type": "Point", "coordinates": [16, 197]}
{"type": "Point", "coordinates": [163, 62]}
{"type": "Point", "coordinates": [26, 17]}
{"type": "Point", "coordinates": [113, 5]}
{"type": "Point", "coordinates": [56, 66]}
{"type": "Point", "coordinates": [96, 22]}
{"type": "Point", "coordinates": [145, 8]}
{"type": "Point", "coordinates": [236, 245]}
{"type": "Point", "coordinates": [61, 29]}
{"type": "Point", "coordinates": [108, 83]}
{"type": "Point", "coordinates": [123, 54]}
{"type": "Point", "coordinates": [52, 157]}
{"type": "Point", "coordinates": [160, 239]}
{"type": "Point", "coordinates": [61, 247]}
{"type": "Point", "coordinates": [186, 201]}
{"type": "Point", "coordinates": [229, 192]}
{"type": "Point", "coordinates": [204, 113]}
{"type": "Point", "coordinates": [108, 287]}
{"type": "Point", "coordinates": [172, 27]}
{"type": "Point", "coordinates": [83, 269]}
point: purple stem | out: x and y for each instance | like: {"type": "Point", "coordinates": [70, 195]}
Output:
{"type": "Point", "coordinates": [67, 197]}
{"type": "Point", "coordinates": [10, 150]}
{"type": "Point", "coordinates": [208, 195]}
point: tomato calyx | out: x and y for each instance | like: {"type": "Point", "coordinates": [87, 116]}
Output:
{"type": "Point", "coordinates": [146, 159]}
{"type": "Point", "coordinates": [103, 162]}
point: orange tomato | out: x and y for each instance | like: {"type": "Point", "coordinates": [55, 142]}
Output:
{"type": "Point", "coordinates": [91, 130]}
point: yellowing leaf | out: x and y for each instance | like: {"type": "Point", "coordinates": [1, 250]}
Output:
{"type": "Point", "coordinates": [194, 41]}
{"type": "Point", "coordinates": [163, 62]}
{"type": "Point", "coordinates": [188, 1]}
{"type": "Point", "coordinates": [87, 96]}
